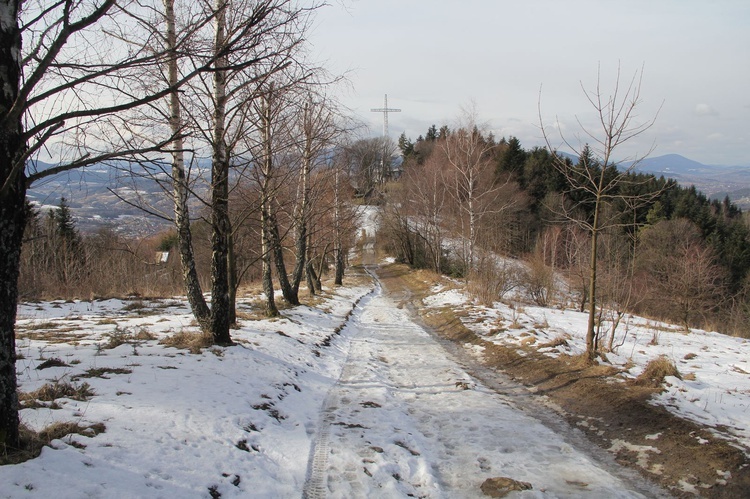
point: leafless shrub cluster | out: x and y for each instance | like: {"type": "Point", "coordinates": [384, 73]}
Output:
{"type": "Point", "coordinates": [494, 279]}
{"type": "Point", "coordinates": [105, 265]}
{"type": "Point", "coordinates": [538, 280]}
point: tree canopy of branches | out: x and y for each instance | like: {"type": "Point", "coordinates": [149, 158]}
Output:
{"type": "Point", "coordinates": [60, 95]}
{"type": "Point", "coordinates": [77, 78]}
{"type": "Point", "coordinates": [595, 182]}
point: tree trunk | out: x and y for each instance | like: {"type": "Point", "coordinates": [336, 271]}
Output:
{"type": "Point", "coordinates": [267, 278]}
{"type": "Point", "coordinates": [338, 249]}
{"type": "Point", "coordinates": [233, 284]}
{"type": "Point", "coordinates": [313, 283]}
{"type": "Point", "coordinates": [287, 291]}
{"type": "Point", "coordinates": [591, 327]}
{"type": "Point", "coordinates": [220, 307]}
{"type": "Point", "coordinates": [220, 222]}
{"type": "Point", "coordinates": [340, 265]}
{"type": "Point", "coordinates": [180, 184]}
{"type": "Point", "coordinates": [300, 250]}
{"type": "Point", "coordinates": [301, 212]}
{"type": "Point", "coordinates": [12, 219]}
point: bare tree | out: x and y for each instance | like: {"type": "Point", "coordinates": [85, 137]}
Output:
{"type": "Point", "coordinates": [61, 97]}
{"type": "Point", "coordinates": [681, 270]}
{"type": "Point", "coordinates": [317, 128]}
{"type": "Point", "coordinates": [596, 181]}
{"type": "Point", "coordinates": [427, 197]}
{"type": "Point", "coordinates": [471, 181]}
{"type": "Point", "coordinates": [251, 43]}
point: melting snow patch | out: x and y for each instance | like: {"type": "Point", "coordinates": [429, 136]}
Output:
{"type": "Point", "coordinates": [640, 450]}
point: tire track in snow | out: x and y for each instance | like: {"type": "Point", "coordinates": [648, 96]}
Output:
{"type": "Point", "coordinates": [316, 486]}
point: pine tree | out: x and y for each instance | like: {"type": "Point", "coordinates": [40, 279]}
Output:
{"type": "Point", "coordinates": [65, 225]}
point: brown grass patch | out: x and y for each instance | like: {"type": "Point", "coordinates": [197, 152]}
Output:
{"type": "Point", "coordinates": [194, 342]}
{"type": "Point", "coordinates": [101, 372]}
{"type": "Point", "coordinates": [558, 341]}
{"type": "Point", "coordinates": [32, 442]}
{"type": "Point", "coordinates": [50, 392]}
{"type": "Point", "coordinates": [655, 372]}
{"type": "Point", "coordinates": [52, 337]}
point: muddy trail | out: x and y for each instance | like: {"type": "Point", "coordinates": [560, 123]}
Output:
{"type": "Point", "coordinates": [408, 419]}
{"type": "Point", "coordinates": [687, 459]}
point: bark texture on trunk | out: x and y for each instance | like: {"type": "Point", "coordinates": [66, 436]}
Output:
{"type": "Point", "coordinates": [220, 309]}
{"type": "Point", "coordinates": [232, 275]}
{"type": "Point", "coordinates": [220, 223]}
{"type": "Point", "coordinates": [193, 288]}
{"type": "Point", "coordinates": [302, 209]}
{"type": "Point", "coordinates": [287, 291]}
{"type": "Point", "coordinates": [12, 221]}
{"type": "Point", "coordinates": [12, 217]}
{"type": "Point", "coordinates": [267, 277]}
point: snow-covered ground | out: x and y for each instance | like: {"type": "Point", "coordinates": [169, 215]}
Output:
{"type": "Point", "coordinates": [715, 369]}
{"type": "Point", "coordinates": [238, 420]}
{"type": "Point", "coordinates": [348, 398]}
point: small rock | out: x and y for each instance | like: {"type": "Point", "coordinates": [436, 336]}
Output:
{"type": "Point", "coordinates": [502, 486]}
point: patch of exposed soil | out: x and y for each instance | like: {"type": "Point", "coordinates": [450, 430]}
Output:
{"type": "Point", "coordinates": [680, 455]}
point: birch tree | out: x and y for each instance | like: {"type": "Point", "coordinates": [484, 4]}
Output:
{"type": "Point", "coordinates": [60, 96]}
{"type": "Point", "coordinates": [471, 181]}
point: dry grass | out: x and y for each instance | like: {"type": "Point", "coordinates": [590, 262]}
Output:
{"type": "Point", "coordinates": [53, 362]}
{"type": "Point", "coordinates": [558, 341]}
{"type": "Point", "coordinates": [655, 372]}
{"type": "Point", "coordinates": [63, 335]}
{"type": "Point", "coordinates": [101, 372]}
{"type": "Point", "coordinates": [122, 336]}
{"type": "Point", "coordinates": [32, 442]}
{"type": "Point", "coordinates": [50, 392]}
{"type": "Point", "coordinates": [194, 342]}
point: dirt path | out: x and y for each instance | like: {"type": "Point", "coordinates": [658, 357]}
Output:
{"type": "Point", "coordinates": [686, 458]}
{"type": "Point", "coordinates": [406, 419]}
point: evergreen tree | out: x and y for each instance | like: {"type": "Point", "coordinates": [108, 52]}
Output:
{"type": "Point", "coordinates": [406, 146]}
{"type": "Point", "coordinates": [65, 225]}
{"type": "Point", "coordinates": [432, 133]}
{"type": "Point", "coordinates": [443, 133]}
{"type": "Point", "coordinates": [513, 158]}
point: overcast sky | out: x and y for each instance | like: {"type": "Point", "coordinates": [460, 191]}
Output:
{"type": "Point", "coordinates": [436, 57]}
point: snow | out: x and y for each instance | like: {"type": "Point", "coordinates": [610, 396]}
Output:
{"type": "Point", "coordinates": [715, 387]}
{"type": "Point", "coordinates": [349, 398]}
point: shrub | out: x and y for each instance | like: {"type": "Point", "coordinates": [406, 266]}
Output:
{"type": "Point", "coordinates": [655, 372]}
{"type": "Point", "coordinates": [53, 391]}
{"type": "Point", "coordinates": [539, 281]}
{"type": "Point", "coordinates": [187, 340]}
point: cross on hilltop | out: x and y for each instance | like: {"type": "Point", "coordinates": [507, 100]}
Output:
{"type": "Point", "coordinates": [385, 110]}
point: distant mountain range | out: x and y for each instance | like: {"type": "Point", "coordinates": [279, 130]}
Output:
{"type": "Point", "coordinates": [96, 197]}
{"type": "Point", "coordinates": [89, 191]}
{"type": "Point", "coordinates": [714, 181]}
